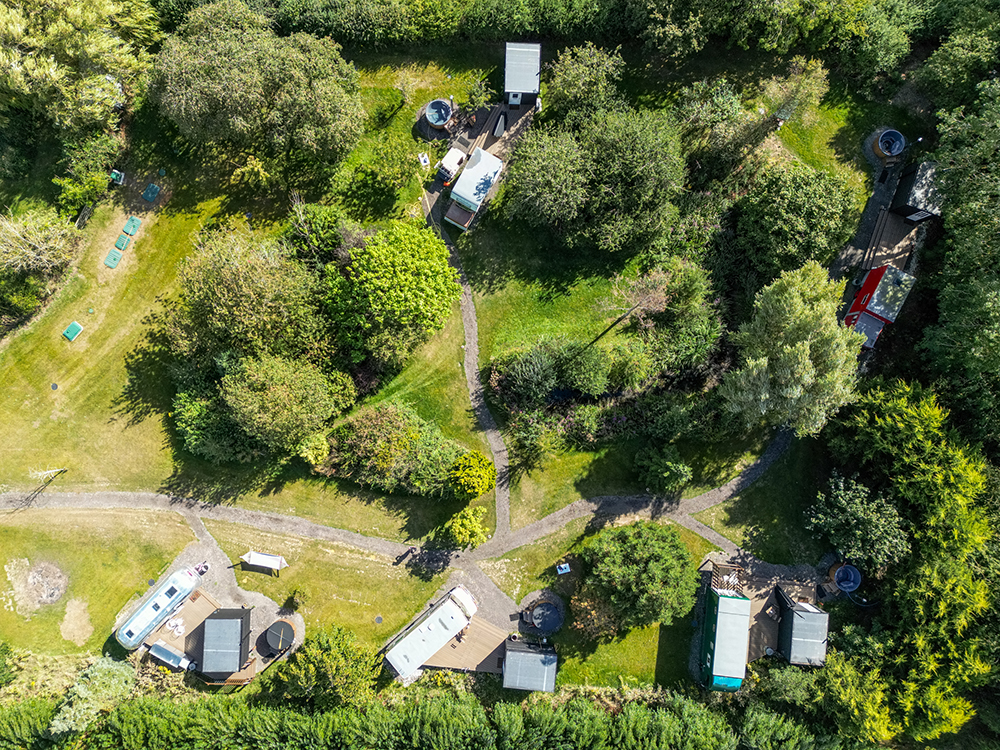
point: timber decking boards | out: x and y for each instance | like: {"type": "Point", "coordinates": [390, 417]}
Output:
{"type": "Point", "coordinates": [480, 650]}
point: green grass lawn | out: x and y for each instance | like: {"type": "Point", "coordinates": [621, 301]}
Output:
{"type": "Point", "coordinates": [767, 518]}
{"type": "Point", "coordinates": [344, 586]}
{"type": "Point", "coordinates": [655, 654]}
{"type": "Point", "coordinates": [108, 557]}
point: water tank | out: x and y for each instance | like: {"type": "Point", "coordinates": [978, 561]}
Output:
{"type": "Point", "coordinates": [847, 578]}
{"type": "Point", "coordinates": [890, 143]}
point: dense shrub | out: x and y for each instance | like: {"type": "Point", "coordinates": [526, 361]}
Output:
{"type": "Point", "coordinates": [389, 447]}
{"type": "Point", "coordinates": [662, 469]}
{"type": "Point", "coordinates": [209, 430]}
{"type": "Point", "coordinates": [526, 380]}
{"type": "Point", "coordinates": [332, 668]}
{"type": "Point", "coordinates": [88, 162]}
{"type": "Point", "coordinates": [24, 725]}
{"type": "Point", "coordinates": [585, 369]}
{"type": "Point", "coordinates": [397, 291]}
{"type": "Point", "coordinates": [35, 242]}
{"type": "Point", "coordinates": [644, 571]}
{"type": "Point", "coordinates": [472, 475]}
{"type": "Point", "coordinates": [793, 214]}
{"type": "Point", "coordinates": [280, 401]}
{"type": "Point", "coordinates": [98, 689]}
{"type": "Point", "coordinates": [861, 525]}
{"type": "Point", "coordinates": [466, 528]}
{"type": "Point", "coordinates": [7, 668]}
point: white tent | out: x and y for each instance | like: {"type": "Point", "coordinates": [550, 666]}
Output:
{"type": "Point", "coordinates": [264, 560]}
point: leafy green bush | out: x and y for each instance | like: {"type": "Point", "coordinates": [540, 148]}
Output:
{"type": "Point", "coordinates": [793, 214]}
{"type": "Point", "coordinates": [97, 690]}
{"type": "Point", "coordinates": [7, 668]}
{"type": "Point", "coordinates": [466, 528]}
{"type": "Point", "coordinates": [208, 430]}
{"type": "Point", "coordinates": [389, 447]}
{"type": "Point", "coordinates": [36, 241]}
{"type": "Point", "coordinates": [314, 449]}
{"type": "Point", "coordinates": [24, 725]}
{"type": "Point", "coordinates": [281, 401]}
{"type": "Point", "coordinates": [662, 469]}
{"type": "Point", "coordinates": [472, 475]}
{"type": "Point", "coordinates": [585, 368]}
{"type": "Point", "coordinates": [534, 435]}
{"type": "Point", "coordinates": [525, 380]}
{"type": "Point", "coordinates": [632, 365]}
{"type": "Point", "coordinates": [644, 571]}
{"type": "Point", "coordinates": [332, 668]}
{"type": "Point", "coordinates": [863, 527]}
{"type": "Point", "coordinates": [765, 730]}
{"type": "Point", "coordinates": [20, 296]}
{"type": "Point", "coordinates": [89, 164]}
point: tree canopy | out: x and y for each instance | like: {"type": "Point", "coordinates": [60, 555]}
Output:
{"type": "Point", "coordinates": [332, 668]}
{"type": "Point", "coordinates": [397, 290]}
{"type": "Point", "coordinates": [584, 79]}
{"type": "Point", "coordinates": [74, 62]}
{"type": "Point", "coordinates": [643, 571]}
{"type": "Point", "coordinates": [792, 215]}
{"type": "Point", "coordinates": [799, 361]}
{"type": "Point", "coordinates": [226, 77]}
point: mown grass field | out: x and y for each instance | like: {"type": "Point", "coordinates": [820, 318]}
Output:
{"type": "Point", "coordinates": [768, 518]}
{"type": "Point", "coordinates": [108, 557]}
{"type": "Point", "coordinates": [655, 654]}
{"type": "Point", "coordinates": [344, 586]}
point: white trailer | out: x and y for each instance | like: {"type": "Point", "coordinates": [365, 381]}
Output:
{"type": "Point", "coordinates": [409, 650]}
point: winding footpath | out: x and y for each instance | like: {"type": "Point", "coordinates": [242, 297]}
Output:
{"type": "Point", "coordinates": [464, 563]}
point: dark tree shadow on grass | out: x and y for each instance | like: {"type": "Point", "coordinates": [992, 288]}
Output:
{"type": "Point", "coordinates": [148, 390]}
{"type": "Point", "coordinates": [365, 199]}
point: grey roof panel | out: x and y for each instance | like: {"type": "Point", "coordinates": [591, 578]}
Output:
{"type": "Point", "coordinates": [526, 668]}
{"type": "Point", "coordinates": [809, 633]}
{"type": "Point", "coordinates": [732, 637]}
{"type": "Point", "coordinates": [523, 68]}
{"type": "Point", "coordinates": [222, 646]}
{"type": "Point", "coordinates": [870, 326]}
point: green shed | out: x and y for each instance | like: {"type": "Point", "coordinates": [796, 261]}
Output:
{"type": "Point", "coordinates": [726, 632]}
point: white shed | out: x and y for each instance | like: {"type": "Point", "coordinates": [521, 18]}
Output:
{"type": "Point", "coordinates": [522, 73]}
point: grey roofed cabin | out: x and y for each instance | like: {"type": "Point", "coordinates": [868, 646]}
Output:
{"type": "Point", "coordinates": [226, 644]}
{"type": "Point", "coordinates": [802, 632]}
{"type": "Point", "coordinates": [916, 197]}
{"type": "Point", "coordinates": [529, 666]}
{"type": "Point", "coordinates": [522, 73]}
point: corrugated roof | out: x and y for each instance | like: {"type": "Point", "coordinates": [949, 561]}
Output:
{"type": "Point", "coordinates": [529, 667]}
{"type": "Point", "coordinates": [222, 647]}
{"type": "Point", "coordinates": [809, 632]}
{"type": "Point", "coordinates": [732, 637]}
{"type": "Point", "coordinates": [890, 294]}
{"type": "Point", "coordinates": [523, 67]}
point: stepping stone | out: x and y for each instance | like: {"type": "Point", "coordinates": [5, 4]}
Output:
{"type": "Point", "coordinates": [113, 257]}
{"type": "Point", "coordinates": [151, 192]}
{"type": "Point", "coordinates": [122, 242]}
{"type": "Point", "coordinates": [132, 225]}
{"type": "Point", "coordinates": [73, 330]}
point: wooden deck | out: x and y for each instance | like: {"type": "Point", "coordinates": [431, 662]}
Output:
{"type": "Point", "coordinates": [892, 242]}
{"type": "Point", "coordinates": [481, 649]}
{"type": "Point", "coordinates": [763, 629]}
{"type": "Point", "coordinates": [193, 612]}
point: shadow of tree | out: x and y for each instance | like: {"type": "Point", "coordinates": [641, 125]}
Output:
{"type": "Point", "coordinates": [148, 390]}
{"type": "Point", "coordinates": [365, 198]}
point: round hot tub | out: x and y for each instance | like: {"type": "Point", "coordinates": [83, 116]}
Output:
{"type": "Point", "coordinates": [438, 113]}
{"type": "Point", "coordinates": [890, 143]}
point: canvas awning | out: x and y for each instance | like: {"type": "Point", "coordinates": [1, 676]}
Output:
{"type": "Point", "coordinates": [264, 560]}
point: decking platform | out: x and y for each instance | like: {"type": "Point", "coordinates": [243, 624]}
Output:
{"type": "Point", "coordinates": [481, 649]}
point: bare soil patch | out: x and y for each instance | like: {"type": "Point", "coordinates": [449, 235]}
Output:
{"type": "Point", "coordinates": [76, 626]}
{"type": "Point", "coordinates": [35, 585]}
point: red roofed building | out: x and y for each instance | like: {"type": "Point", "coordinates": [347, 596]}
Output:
{"type": "Point", "coordinates": [882, 294]}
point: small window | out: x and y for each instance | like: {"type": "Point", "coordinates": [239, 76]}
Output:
{"type": "Point", "coordinates": [865, 299]}
{"type": "Point", "coordinates": [129, 633]}
{"type": "Point", "coordinates": [156, 607]}
{"type": "Point", "coordinates": [171, 591]}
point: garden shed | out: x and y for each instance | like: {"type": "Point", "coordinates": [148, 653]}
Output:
{"type": "Point", "coordinates": [726, 632]}
{"type": "Point", "coordinates": [529, 666]}
{"type": "Point", "coordinates": [916, 198]}
{"type": "Point", "coordinates": [522, 74]}
{"type": "Point", "coordinates": [802, 631]}
{"type": "Point", "coordinates": [225, 643]}
{"type": "Point", "coordinates": [881, 297]}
